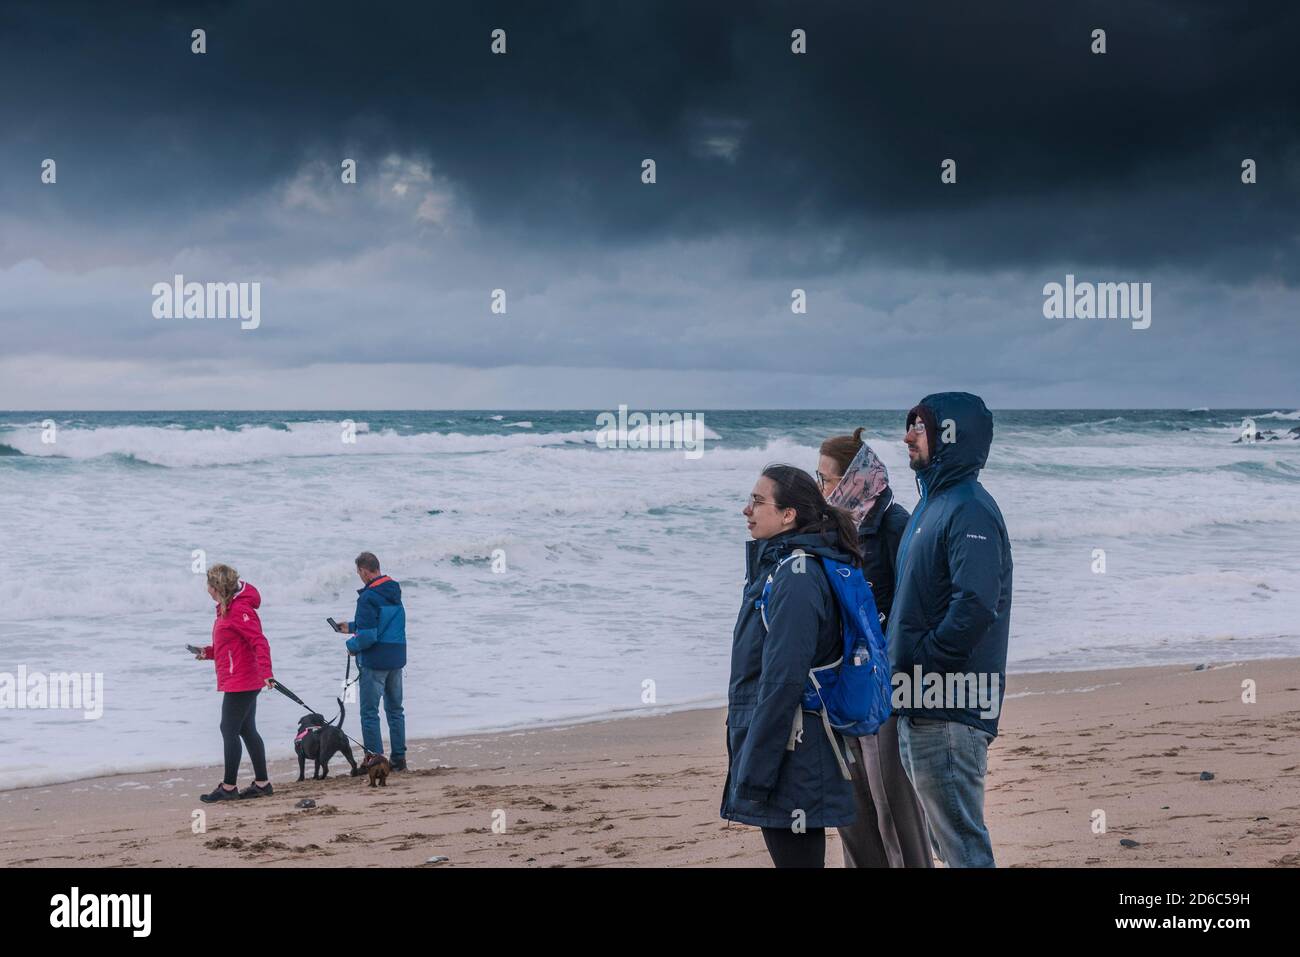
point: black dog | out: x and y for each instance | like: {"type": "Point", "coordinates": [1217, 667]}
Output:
{"type": "Point", "coordinates": [320, 741]}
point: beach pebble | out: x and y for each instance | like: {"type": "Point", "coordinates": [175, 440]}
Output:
{"type": "Point", "coordinates": [437, 859]}
{"type": "Point", "coordinates": [306, 802]}
{"type": "Point", "coordinates": [1199, 668]}
{"type": "Point", "coordinates": [1207, 775]}
{"type": "Point", "coordinates": [1125, 842]}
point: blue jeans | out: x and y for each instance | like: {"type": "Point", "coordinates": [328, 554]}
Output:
{"type": "Point", "coordinates": [947, 761]}
{"type": "Point", "coordinates": [374, 685]}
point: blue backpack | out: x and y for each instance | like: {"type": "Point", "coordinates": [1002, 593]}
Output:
{"type": "Point", "coordinates": [851, 694]}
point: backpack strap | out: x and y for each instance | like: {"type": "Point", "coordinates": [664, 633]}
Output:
{"type": "Point", "coordinates": [826, 723]}
{"type": "Point", "coordinates": [796, 726]}
{"type": "Point", "coordinates": [796, 730]}
{"type": "Point", "coordinates": [767, 586]}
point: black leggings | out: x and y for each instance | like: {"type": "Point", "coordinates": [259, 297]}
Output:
{"type": "Point", "coordinates": [239, 720]}
{"type": "Point", "coordinates": [789, 849]}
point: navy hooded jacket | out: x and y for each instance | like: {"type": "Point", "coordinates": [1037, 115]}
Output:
{"type": "Point", "coordinates": [379, 632]}
{"type": "Point", "coordinates": [952, 600]}
{"type": "Point", "coordinates": [767, 781]}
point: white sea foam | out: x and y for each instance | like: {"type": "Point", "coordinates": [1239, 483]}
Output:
{"type": "Point", "coordinates": [177, 447]}
{"type": "Point", "coordinates": [618, 566]}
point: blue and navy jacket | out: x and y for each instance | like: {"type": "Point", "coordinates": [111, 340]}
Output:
{"type": "Point", "coordinates": [379, 631]}
{"type": "Point", "coordinates": [952, 592]}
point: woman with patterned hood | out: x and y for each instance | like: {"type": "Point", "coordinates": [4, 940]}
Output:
{"type": "Point", "coordinates": [890, 828]}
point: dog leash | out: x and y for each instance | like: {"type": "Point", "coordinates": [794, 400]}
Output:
{"type": "Point", "coordinates": [346, 683]}
{"type": "Point", "coordinates": [293, 697]}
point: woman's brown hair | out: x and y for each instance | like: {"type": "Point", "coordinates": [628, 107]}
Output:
{"type": "Point", "coordinates": [841, 448]}
{"type": "Point", "coordinates": [796, 489]}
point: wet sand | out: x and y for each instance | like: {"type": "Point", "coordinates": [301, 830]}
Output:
{"type": "Point", "coordinates": [645, 790]}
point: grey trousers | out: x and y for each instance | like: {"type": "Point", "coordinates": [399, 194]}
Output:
{"type": "Point", "coordinates": [890, 829]}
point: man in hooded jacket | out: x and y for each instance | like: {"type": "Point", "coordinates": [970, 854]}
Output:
{"type": "Point", "coordinates": [949, 624]}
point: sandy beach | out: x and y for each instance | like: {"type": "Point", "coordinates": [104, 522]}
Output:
{"type": "Point", "coordinates": [644, 790]}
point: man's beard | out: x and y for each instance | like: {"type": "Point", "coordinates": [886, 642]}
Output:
{"type": "Point", "coordinates": [918, 462]}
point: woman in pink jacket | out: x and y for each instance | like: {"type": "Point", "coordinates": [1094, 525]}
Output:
{"type": "Point", "coordinates": [243, 659]}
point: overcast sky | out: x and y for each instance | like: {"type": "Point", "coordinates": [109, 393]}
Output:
{"type": "Point", "coordinates": [775, 171]}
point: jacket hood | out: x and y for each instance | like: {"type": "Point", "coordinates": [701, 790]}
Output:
{"type": "Point", "coordinates": [962, 458]}
{"type": "Point", "coordinates": [813, 543]}
{"type": "Point", "coordinates": [247, 595]}
{"type": "Point", "coordinates": [387, 589]}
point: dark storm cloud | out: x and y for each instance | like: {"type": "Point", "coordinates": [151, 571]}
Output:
{"type": "Point", "coordinates": [1130, 158]}
{"type": "Point", "coordinates": [775, 172]}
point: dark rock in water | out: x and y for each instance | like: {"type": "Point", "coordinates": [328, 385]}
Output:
{"type": "Point", "coordinates": [1207, 776]}
{"type": "Point", "coordinates": [1199, 668]}
{"type": "Point", "coordinates": [1125, 842]}
{"type": "Point", "coordinates": [306, 802]}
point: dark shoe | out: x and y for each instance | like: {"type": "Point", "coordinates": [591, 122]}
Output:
{"type": "Point", "coordinates": [220, 794]}
{"type": "Point", "coordinates": [253, 791]}
{"type": "Point", "coordinates": [399, 764]}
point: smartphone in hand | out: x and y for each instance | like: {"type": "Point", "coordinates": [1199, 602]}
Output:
{"type": "Point", "coordinates": [195, 650]}
{"type": "Point", "coordinates": [334, 624]}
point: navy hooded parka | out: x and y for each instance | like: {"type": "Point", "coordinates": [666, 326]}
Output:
{"type": "Point", "coordinates": [767, 783]}
{"type": "Point", "coordinates": [952, 599]}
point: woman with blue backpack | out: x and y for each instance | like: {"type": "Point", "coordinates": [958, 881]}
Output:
{"type": "Point", "coordinates": [890, 829]}
{"type": "Point", "coordinates": [787, 769]}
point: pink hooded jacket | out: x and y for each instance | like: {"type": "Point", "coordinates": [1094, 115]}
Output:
{"type": "Point", "coordinates": [239, 649]}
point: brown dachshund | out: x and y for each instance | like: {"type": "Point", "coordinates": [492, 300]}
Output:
{"type": "Point", "coordinates": [378, 768]}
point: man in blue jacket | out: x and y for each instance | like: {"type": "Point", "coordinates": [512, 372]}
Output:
{"type": "Point", "coordinates": [379, 642]}
{"type": "Point", "coordinates": [948, 627]}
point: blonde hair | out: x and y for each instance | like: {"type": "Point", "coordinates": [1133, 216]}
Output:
{"type": "Point", "coordinates": [223, 580]}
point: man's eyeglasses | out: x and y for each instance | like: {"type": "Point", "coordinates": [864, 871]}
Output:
{"type": "Point", "coordinates": [917, 426]}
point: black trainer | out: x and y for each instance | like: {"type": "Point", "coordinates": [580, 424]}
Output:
{"type": "Point", "coordinates": [253, 791]}
{"type": "Point", "coordinates": [399, 764]}
{"type": "Point", "coordinates": [220, 794]}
